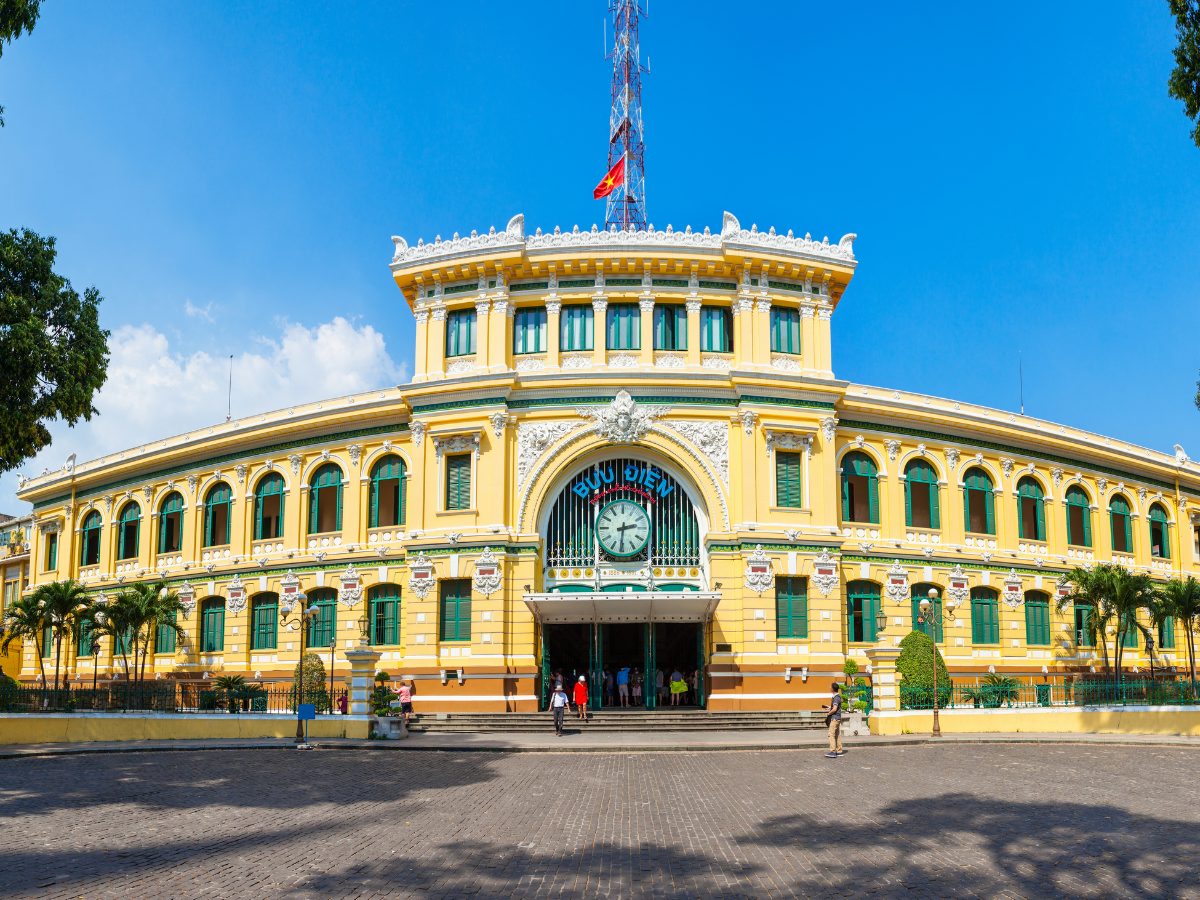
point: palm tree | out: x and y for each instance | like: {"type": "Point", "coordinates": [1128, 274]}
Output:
{"type": "Point", "coordinates": [1090, 589]}
{"type": "Point", "coordinates": [1127, 593]}
{"type": "Point", "coordinates": [1182, 601]}
{"type": "Point", "coordinates": [61, 603]}
{"type": "Point", "coordinates": [117, 619]}
{"type": "Point", "coordinates": [24, 620]}
{"type": "Point", "coordinates": [165, 609]}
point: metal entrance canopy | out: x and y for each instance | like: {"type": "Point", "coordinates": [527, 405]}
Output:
{"type": "Point", "coordinates": [611, 607]}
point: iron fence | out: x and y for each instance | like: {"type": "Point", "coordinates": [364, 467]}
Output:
{"type": "Point", "coordinates": [961, 695]}
{"type": "Point", "coordinates": [167, 697]}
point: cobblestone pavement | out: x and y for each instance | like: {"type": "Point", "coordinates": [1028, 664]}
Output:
{"type": "Point", "coordinates": [924, 821]}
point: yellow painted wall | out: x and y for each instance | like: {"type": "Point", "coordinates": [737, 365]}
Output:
{"type": "Point", "coordinates": [1159, 720]}
{"type": "Point", "coordinates": [69, 729]}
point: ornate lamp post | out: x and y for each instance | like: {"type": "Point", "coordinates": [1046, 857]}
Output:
{"type": "Point", "coordinates": [300, 618]}
{"type": "Point", "coordinates": [930, 616]}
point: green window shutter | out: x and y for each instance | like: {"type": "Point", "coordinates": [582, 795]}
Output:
{"type": "Point", "coordinates": [799, 607]}
{"type": "Point", "coordinates": [1112, 529]}
{"type": "Point", "coordinates": [989, 503]}
{"type": "Point", "coordinates": [873, 494]}
{"type": "Point", "coordinates": [787, 479]}
{"type": "Point", "coordinates": [312, 510]}
{"type": "Point", "coordinates": [935, 518]}
{"type": "Point", "coordinates": [162, 532]}
{"type": "Point", "coordinates": [338, 525]}
{"type": "Point", "coordinates": [966, 498]}
{"type": "Point", "coordinates": [208, 523]}
{"type": "Point", "coordinates": [1166, 634]}
{"type": "Point", "coordinates": [845, 497]}
{"type": "Point", "coordinates": [403, 498]}
{"type": "Point", "coordinates": [448, 611]}
{"type": "Point", "coordinates": [976, 622]}
{"type": "Point", "coordinates": [870, 611]}
{"type": "Point", "coordinates": [908, 489]}
{"type": "Point", "coordinates": [258, 515]}
{"type": "Point", "coordinates": [373, 514]}
{"type": "Point", "coordinates": [1087, 527]}
{"type": "Point", "coordinates": [783, 608]}
{"type": "Point", "coordinates": [1041, 519]}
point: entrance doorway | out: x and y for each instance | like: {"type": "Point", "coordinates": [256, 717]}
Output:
{"type": "Point", "coordinates": [679, 647]}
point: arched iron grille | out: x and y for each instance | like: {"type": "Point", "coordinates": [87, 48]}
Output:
{"type": "Point", "coordinates": [674, 531]}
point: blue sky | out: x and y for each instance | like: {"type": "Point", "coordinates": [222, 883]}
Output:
{"type": "Point", "coordinates": [229, 175]}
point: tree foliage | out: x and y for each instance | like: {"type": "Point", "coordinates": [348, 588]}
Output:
{"type": "Point", "coordinates": [916, 661]}
{"type": "Point", "coordinates": [1184, 83]}
{"type": "Point", "coordinates": [16, 16]}
{"type": "Point", "coordinates": [53, 353]}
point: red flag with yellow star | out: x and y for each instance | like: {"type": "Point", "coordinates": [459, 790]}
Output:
{"type": "Point", "coordinates": [614, 177]}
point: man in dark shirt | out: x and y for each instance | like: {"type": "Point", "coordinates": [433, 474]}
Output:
{"type": "Point", "coordinates": [834, 720]}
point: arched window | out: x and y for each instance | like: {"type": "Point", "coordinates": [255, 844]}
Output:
{"type": "Point", "coordinates": [322, 627]}
{"type": "Point", "coordinates": [212, 625]}
{"type": "Point", "coordinates": [216, 515]}
{"type": "Point", "coordinates": [921, 495]}
{"type": "Point", "coordinates": [1160, 545]}
{"type": "Point", "coordinates": [385, 614]}
{"type": "Point", "coordinates": [325, 500]}
{"type": "Point", "coordinates": [1079, 517]}
{"type": "Point", "coordinates": [979, 516]}
{"type": "Point", "coordinates": [985, 616]}
{"type": "Point", "coordinates": [932, 627]}
{"type": "Point", "coordinates": [1119, 522]}
{"type": "Point", "coordinates": [268, 508]}
{"type": "Point", "coordinates": [388, 500]}
{"type": "Point", "coordinates": [860, 489]}
{"type": "Point", "coordinates": [170, 524]}
{"type": "Point", "coordinates": [89, 540]}
{"type": "Point", "coordinates": [264, 616]}
{"type": "Point", "coordinates": [1031, 517]}
{"type": "Point", "coordinates": [862, 606]}
{"type": "Point", "coordinates": [127, 531]}
{"type": "Point", "coordinates": [1037, 618]}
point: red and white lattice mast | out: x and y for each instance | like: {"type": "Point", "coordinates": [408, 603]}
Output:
{"type": "Point", "coordinates": [627, 204]}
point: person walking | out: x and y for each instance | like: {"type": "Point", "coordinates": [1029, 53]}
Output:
{"type": "Point", "coordinates": [623, 685]}
{"type": "Point", "coordinates": [834, 721]}
{"type": "Point", "coordinates": [558, 703]}
{"type": "Point", "coordinates": [404, 695]}
{"type": "Point", "coordinates": [581, 697]}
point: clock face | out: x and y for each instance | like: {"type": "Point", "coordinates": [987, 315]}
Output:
{"type": "Point", "coordinates": [623, 528]}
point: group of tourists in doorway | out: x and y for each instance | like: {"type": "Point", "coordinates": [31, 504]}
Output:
{"type": "Point", "coordinates": [629, 684]}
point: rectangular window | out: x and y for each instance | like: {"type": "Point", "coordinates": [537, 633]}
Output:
{"type": "Point", "coordinates": [460, 333]}
{"type": "Point", "coordinates": [979, 511]}
{"type": "Point", "coordinates": [985, 620]}
{"type": "Point", "coordinates": [322, 630]}
{"type": "Point", "coordinates": [716, 329]}
{"type": "Point", "coordinates": [529, 331]}
{"type": "Point", "coordinates": [1158, 539]}
{"type": "Point", "coordinates": [787, 479]}
{"type": "Point", "coordinates": [47, 641]}
{"type": "Point", "coordinates": [1079, 531]}
{"type": "Point", "coordinates": [52, 551]}
{"type": "Point", "coordinates": [270, 517]}
{"type": "Point", "coordinates": [1121, 538]}
{"type": "Point", "coordinates": [1037, 623]}
{"type": "Point", "coordinates": [455, 600]}
{"type": "Point", "coordinates": [861, 611]}
{"type": "Point", "coordinates": [127, 543]}
{"type": "Point", "coordinates": [263, 634]}
{"type": "Point", "coordinates": [1033, 526]}
{"type": "Point", "coordinates": [385, 616]}
{"type": "Point", "coordinates": [624, 327]}
{"type": "Point", "coordinates": [85, 638]}
{"type": "Point", "coordinates": [670, 327]}
{"type": "Point", "coordinates": [170, 532]}
{"type": "Point", "coordinates": [1196, 543]}
{"type": "Point", "coordinates": [575, 328]}
{"type": "Point", "coordinates": [164, 638]}
{"type": "Point", "coordinates": [1166, 634]}
{"type": "Point", "coordinates": [785, 330]}
{"type": "Point", "coordinates": [791, 607]}
{"type": "Point", "coordinates": [458, 481]}
{"type": "Point", "coordinates": [212, 628]}
{"type": "Point", "coordinates": [1083, 620]}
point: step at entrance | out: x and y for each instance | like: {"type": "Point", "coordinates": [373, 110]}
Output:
{"type": "Point", "coordinates": [618, 720]}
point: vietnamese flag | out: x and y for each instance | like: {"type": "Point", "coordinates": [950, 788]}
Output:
{"type": "Point", "coordinates": [615, 176]}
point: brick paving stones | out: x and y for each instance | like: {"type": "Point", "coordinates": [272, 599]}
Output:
{"type": "Point", "coordinates": [967, 820]}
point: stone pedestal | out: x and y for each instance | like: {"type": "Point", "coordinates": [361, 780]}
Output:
{"type": "Point", "coordinates": [362, 678]}
{"type": "Point", "coordinates": [884, 694]}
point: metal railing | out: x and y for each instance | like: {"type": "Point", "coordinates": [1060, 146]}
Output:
{"type": "Point", "coordinates": [961, 695]}
{"type": "Point", "coordinates": [187, 697]}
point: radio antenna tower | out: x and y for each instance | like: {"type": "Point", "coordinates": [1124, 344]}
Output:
{"type": "Point", "coordinates": [627, 204]}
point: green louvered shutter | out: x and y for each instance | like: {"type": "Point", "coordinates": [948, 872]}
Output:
{"type": "Point", "coordinates": [989, 505]}
{"type": "Point", "coordinates": [870, 611]}
{"type": "Point", "coordinates": [258, 515]}
{"type": "Point", "coordinates": [1087, 527]}
{"type": "Point", "coordinates": [208, 523]}
{"type": "Point", "coordinates": [783, 619]}
{"type": "Point", "coordinates": [908, 489]}
{"type": "Point", "coordinates": [787, 479]}
{"type": "Point", "coordinates": [966, 498]}
{"type": "Point", "coordinates": [338, 526]}
{"type": "Point", "coordinates": [935, 516]}
{"type": "Point", "coordinates": [1041, 519]}
{"type": "Point", "coordinates": [873, 494]}
{"type": "Point", "coordinates": [312, 510]}
{"type": "Point", "coordinates": [845, 497]}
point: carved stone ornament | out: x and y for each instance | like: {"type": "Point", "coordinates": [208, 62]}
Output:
{"type": "Point", "coordinates": [897, 583]}
{"type": "Point", "coordinates": [951, 459]}
{"type": "Point", "coordinates": [893, 448]}
{"type": "Point", "coordinates": [108, 504]}
{"type": "Point", "coordinates": [1007, 466]}
{"type": "Point", "coordinates": [720, 363]}
{"type": "Point", "coordinates": [461, 366]}
{"type": "Point", "coordinates": [530, 364]}
{"type": "Point", "coordinates": [533, 440]}
{"type": "Point", "coordinates": [827, 427]}
{"type": "Point", "coordinates": [296, 460]}
{"type": "Point", "coordinates": [241, 474]}
{"type": "Point", "coordinates": [787, 440]}
{"type": "Point", "coordinates": [355, 451]}
{"type": "Point", "coordinates": [825, 575]}
{"type": "Point", "coordinates": [1012, 594]}
{"type": "Point", "coordinates": [747, 417]}
{"type": "Point", "coordinates": [420, 578]}
{"type": "Point", "coordinates": [576, 361]}
{"type": "Point", "coordinates": [712, 439]}
{"type": "Point", "coordinates": [785, 364]}
{"type": "Point", "coordinates": [623, 361]}
{"type": "Point", "coordinates": [760, 574]}
{"type": "Point", "coordinates": [417, 430]}
{"type": "Point", "coordinates": [498, 420]}
{"type": "Point", "coordinates": [1057, 475]}
{"type": "Point", "coordinates": [289, 591]}
{"type": "Point", "coordinates": [458, 443]}
{"type": "Point", "coordinates": [187, 598]}
{"type": "Point", "coordinates": [235, 600]}
{"type": "Point", "coordinates": [670, 362]}
{"type": "Point", "coordinates": [957, 591]}
{"type": "Point", "coordinates": [192, 482]}
{"type": "Point", "coordinates": [623, 420]}
{"type": "Point", "coordinates": [1102, 486]}
{"type": "Point", "coordinates": [351, 590]}
{"type": "Point", "coordinates": [1141, 492]}
{"type": "Point", "coordinates": [486, 579]}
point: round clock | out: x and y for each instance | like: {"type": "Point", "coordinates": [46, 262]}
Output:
{"type": "Point", "coordinates": [623, 528]}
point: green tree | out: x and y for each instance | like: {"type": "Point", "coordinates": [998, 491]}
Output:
{"type": "Point", "coordinates": [1090, 589]}
{"type": "Point", "coordinates": [61, 604]}
{"type": "Point", "coordinates": [918, 656]}
{"type": "Point", "coordinates": [16, 16]}
{"type": "Point", "coordinates": [53, 353]}
{"type": "Point", "coordinates": [1184, 83]}
{"type": "Point", "coordinates": [1181, 599]}
{"type": "Point", "coordinates": [117, 619]}
{"type": "Point", "coordinates": [1128, 594]}
{"type": "Point", "coordinates": [24, 620]}
{"type": "Point", "coordinates": [152, 606]}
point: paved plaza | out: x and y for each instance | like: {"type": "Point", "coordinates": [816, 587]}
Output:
{"type": "Point", "coordinates": [963, 820]}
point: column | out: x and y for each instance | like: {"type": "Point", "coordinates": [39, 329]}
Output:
{"type": "Point", "coordinates": [808, 339]}
{"type": "Point", "coordinates": [553, 331]}
{"type": "Point", "coordinates": [646, 305]}
{"type": "Point", "coordinates": [693, 332]}
{"type": "Point", "coordinates": [422, 337]}
{"type": "Point", "coordinates": [435, 355]}
{"type": "Point", "coordinates": [146, 531]}
{"type": "Point", "coordinates": [499, 339]}
{"type": "Point", "coordinates": [743, 311]}
{"type": "Point", "coordinates": [884, 689]}
{"type": "Point", "coordinates": [362, 681]}
{"type": "Point", "coordinates": [482, 344]}
{"type": "Point", "coordinates": [824, 362]}
{"type": "Point", "coordinates": [600, 329]}
{"type": "Point", "coordinates": [293, 509]}
{"type": "Point", "coordinates": [762, 330]}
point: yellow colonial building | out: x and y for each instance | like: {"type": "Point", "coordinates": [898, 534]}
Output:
{"type": "Point", "coordinates": [618, 449]}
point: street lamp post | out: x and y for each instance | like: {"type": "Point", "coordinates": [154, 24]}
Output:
{"type": "Point", "coordinates": [1150, 653]}
{"type": "Point", "coordinates": [930, 615]}
{"type": "Point", "coordinates": [301, 619]}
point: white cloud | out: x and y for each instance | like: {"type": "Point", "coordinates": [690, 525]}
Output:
{"type": "Point", "coordinates": [198, 312]}
{"type": "Point", "coordinates": [153, 392]}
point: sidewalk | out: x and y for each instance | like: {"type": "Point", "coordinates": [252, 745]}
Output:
{"type": "Point", "coordinates": [651, 742]}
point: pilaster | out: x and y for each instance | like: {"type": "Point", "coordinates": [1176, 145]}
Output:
{"type": "Point", "coordinates": [646, 307]}
{"type": "Point", "coordinates": [693, 332]}
{"type": "Point", "coordinates": [420, 364]}
{"type": "Point", "coordinates": [600, 329]}
{"type": "Point", "coordinates": [482, 334]}
{"type": "Point", "coordinates": [743, 311]}
{"type": "Point", "coordinates": [553, 332]}
{"type": "Point", "coordinates": [762, 329]}
{"type": "Point", "coordinates": [435, 359]}
{"type": "Point", "coordinates": [808, 339]}
{"type": "Point", "coordinates": [883, 678]}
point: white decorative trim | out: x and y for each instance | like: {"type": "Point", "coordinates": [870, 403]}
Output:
{"type": "Point", "coordinates": [499, 420]}
{"type": "Point", "coordinates": [417, 429]}
{"type": "Point", "coordinates": [747, 417]}
{"type": "Point", "coordinates": [828, 425]}
{"type": "Point", "coordinates": [624, 420]}
{"type": "Point", "coordinates": [350, 590]}
{"type": "Point", "coordinates": [530, 364]}
{"type": "Point", "coordinates": [296, 460]}
{"type": "Point", "coordinates": [785, 364]}
{"type": "Point", "coordinates": [534, 439]}
{"type": "Point", "coordinates": [670, 362]}
{"type": "Point", "coordinates": [693, 306]}
{"type": "Point", "coordinates": [355, 453]}
{"type": "Point", "coordinates": [461, 366]}
{"type": "Point", "coordinates": [951, 461]}
{"type": "Point", "coordinates": [1012, 594]}
{"type": "Point", "coordinates": [825, 575]}
{"type": "Point", "coordinates": [553, 307]}
{"type": "Point", "coordinates": [897, 589]}
{"type": "Point", "coordinates": [421, 580]}
{"type": "Point", "coordinates": [289, 590]}
{"type": "Point", "coordinates": [235, 595]}
{"type": "Point", "coordinates": [487, 578]}
{"type": "Point", "coordinates": [787, 440]}
{"type": "Point", "coordinates": [187, 598]}
{"type": "Point", "coordinates": [893, 448]}
{"type": "Point", "coordinates": [760, 573]}
{"type": "Point", "coordinates": [623, 361]}
{"type": "Point", "coordinates": [512, 237]}
{"type": "Point", "coordinates": [957, 591]}
{"type": "Point", "coordinates": [575, 361]}
{"type": "Point", "coordinates": [720, 363]}
{"type": "Point", "coordinates": [646, 304]}
{"type": "Point", "coordinates": [711, 438]}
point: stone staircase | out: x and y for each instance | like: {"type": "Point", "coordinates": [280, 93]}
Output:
{"type": "Point", "coordinates": [619, 720]}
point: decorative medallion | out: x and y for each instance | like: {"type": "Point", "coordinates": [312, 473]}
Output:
{"type": "Point", "coordinates": [897, 583]}
{"type": "Point", "coordinates": [759, 575]}
{"type": "Point", "coordinates": [1012, 594]}
{"type": "Point", "coordinates": [487, 578]}
{"type": "Point", "coordinates": [957, 591]}
{"type": "Point", "coordinates": [420, 579]}
{"type": "Point", "coordinates": [351, 586]}
{"type": "Point", "coordinates": [623, 420]}
{"type": "Point", "coordinates": [825, 575]}
{"type": "Point", "coordinates": [187, 598]}
{"type": "Point", "coordinates": [289, 591]}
